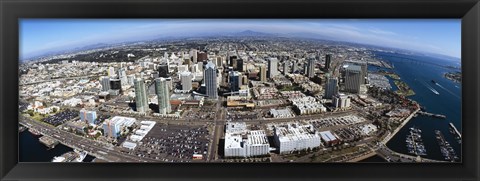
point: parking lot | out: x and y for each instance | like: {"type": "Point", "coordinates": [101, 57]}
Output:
{"type": "Point", "coordinates": [61, 117]}
{"type": "Point", "coordinates": [174, 143]}
{"type": "Point", "coordinates": [336, 121]}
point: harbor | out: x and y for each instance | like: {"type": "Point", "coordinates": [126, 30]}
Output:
{"type": "Point", "coordinates": [447, 150]}
{"type": "Point", "coordinates": [414, 142]}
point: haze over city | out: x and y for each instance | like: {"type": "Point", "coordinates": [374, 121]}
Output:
{"type": "Point", "coordinates": [40, 36]}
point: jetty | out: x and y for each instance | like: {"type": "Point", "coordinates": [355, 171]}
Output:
{"type": "Point", "coordinates": [455, 130]}
{"type": "Point", "coordinates": [423, 113]}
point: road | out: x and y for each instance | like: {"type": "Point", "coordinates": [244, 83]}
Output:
{"type": "Point", "coordinates": [98, 149]}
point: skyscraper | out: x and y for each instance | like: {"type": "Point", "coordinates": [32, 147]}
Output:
{"type": "Point", "coordinates": [163, 96]}
{"type": "Point", "coordinates": [285, 67]}
{"type": "Point", "coordinates": [311, 68]}
{"type": "Point", "coordinates": [240, 65]}
{"type": "Point", "coordinates": [353, 78]}
{"type": "Point", "coordinates": [263, 73]}
{"type": "Point", "coordinates": [328, 61]}
{"type": "Point", "coordinates": [211, 80]}
{"type": "Point", "coordinates": [363, 66]}
{"type": "Point", "coordinates": [122, 75]}
{"type": "Point", "coordinates": [234, 81]}
{"type": "Point", "coordinates": [163, 71]}
{"type": "Point", "coordinates": [186, 79]}
{"type": "Point", "coordinates": [105, 83]}
{"type": "Point", "coordinates": [331, 87]}
{"type": "Point", "coordinates": [141, 99]}
{"type": "Point", "coordinates": [294, 67]}
{"type": "Point", "coordinates": [272, 67]}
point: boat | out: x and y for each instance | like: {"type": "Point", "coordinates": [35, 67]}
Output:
{"type": "Point", "coordinates": [414, 142]}
{"type": "Point", "coordinates": [434, 82]}
{"type": "Point", "coordinates": [58, 159]}
{"type": "Point", "coordinates": [445, 148]}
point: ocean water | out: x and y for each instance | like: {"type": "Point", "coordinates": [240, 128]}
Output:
{"type": "Point", "coordinates": [418, 72]}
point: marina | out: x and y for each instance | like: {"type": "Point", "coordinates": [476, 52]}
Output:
{"type": "Point", "coordinates": [414, 142]}
{"type": "Point", "coordinates": [447, 150]}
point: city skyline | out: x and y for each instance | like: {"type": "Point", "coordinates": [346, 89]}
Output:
{"type": "Point", "coordinates": [40, 36]}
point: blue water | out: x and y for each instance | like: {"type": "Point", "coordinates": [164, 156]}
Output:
{"type": "Point", "coordinates": [418, 71]}
{"type": "Point", "coordinates": [31, 150]}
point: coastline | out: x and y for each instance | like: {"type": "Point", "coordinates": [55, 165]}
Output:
{"type": "Point", "coordinates": [391, 135]}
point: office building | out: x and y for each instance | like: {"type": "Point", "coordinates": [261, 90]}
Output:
{"type": "Point", "coordinates": [163, 96]}
{"type": "Point", "coordinates": [193, 55]}
{"type": "Point", "coordinates": [163, 71]}
{"type": "Point", "coordinates": [234, 80]}
{"type": "Point", "coordinates": [210, 80]}
{"type": "Point", "coordinates": [116, 84]}
{"type": "Point", "coordinates": [202, 56]}
{"type": "Point", "coordinates": [105, 83]}
{"type": "Point", "coordinates": [311, 68]}
{"type": "Point", "coordinates": [122, 75]}
{"type": "Point", "coordinates": [263, 73]}
{"type": "Point", "coordinates": [353, 78]}
{"type": "Point", "coordinates": [291, 137]}
{"type": "Point", "coordinates": [272, 67]}
{"type": "Point", "coordinates": [141, 99]}
{"type": "Point", "coordinates": [285, 67]}
{"type": "Point", "coordinates": [240, 65]}
{"type": "Point", "coordinates": [88, 117]}
{"type": "Point", "coordinates": [294, 67]}
{"type": "Point", "coordinates": [130, 79]}
{"type": "Point", "coordinates": [113, 127]}
{"type": "Point", "coordinates": [331, 87]}
{"type": "Point", "coordinates": [328, 61]}
{"type": "Point", "coordinates": [341, 101]}
{"type": "Point", "coordinates": [111, 72]}
{"type": "Point", "coordinates": [186, 79]}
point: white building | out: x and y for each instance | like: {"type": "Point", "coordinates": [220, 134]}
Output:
{"type": "Point", "coordinates": [308, 105]}
{"type": "Point", "coordinates": [240, 142]}
{"type": "Point", "coordinates": [295, 136]}
{"type": "Point", "coordinates": [341, 101]}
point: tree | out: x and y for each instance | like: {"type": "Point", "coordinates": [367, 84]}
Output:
{"type": "Point", "coordinates": [54, 110]}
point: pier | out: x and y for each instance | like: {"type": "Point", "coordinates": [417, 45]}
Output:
{"type": "Point", "coordinates": [432, 114]}
{"type": "Point", "coordinates": [457, 133]}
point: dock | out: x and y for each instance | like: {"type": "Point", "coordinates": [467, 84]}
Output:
{"type": "Point", "coordinates": [457, 133]}
{"type": "Point", "coordinates": [432, 114]}
{"type": "Point", "coordinates": [48, 141]}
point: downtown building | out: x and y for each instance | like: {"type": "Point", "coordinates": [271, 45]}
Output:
{"type": "Point", "coordinates": [341, 101]}
{"type": "Point", "coordinates": [186, 80]}
{"type": "Point", "coordinates": [331, 87]}
{"type": "Point", "coordinates": [163, 96]}
{"type": "Point", "coordinates": [353, 78]}
{"type": "Point", "coordinates": [88, 117]}
{"type": "Point", "coordinates": [311, 68]}
{"type": "Point", "coordinates": [272, 67]}
{"type": "Point", "coordinates": [241, 142]}
{"type": "Point", "coordinates": [210, 79]}
{"type": "Point", "coordinates": [234, 81]}
{"type": "Point", "coordinates": [296, 136]}
{"type": "Point", "coordinates": [328, 61]}
{"type": "Point", "coordinates": [113, 127]}
{"type": "Point", "coordinates": [141, 99]}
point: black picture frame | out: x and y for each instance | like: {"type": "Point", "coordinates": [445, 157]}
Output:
{"type": "Point", "coordinates": [12, 10]}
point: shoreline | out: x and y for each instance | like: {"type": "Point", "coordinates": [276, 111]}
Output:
{"type": "Point", "coordinates": [391, 135]}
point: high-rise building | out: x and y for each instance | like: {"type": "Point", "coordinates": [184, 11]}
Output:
{"type": "Point", "coordinates": [240, 65]}
{"type": "Point", "coordinates": [294, 67]}
{"type": "Point", "coordinates": [311, 68]}
{"type": "Point", "coordinates": [131, 79]}
{"type": "Point", "coordinates": [341, 101]}
{"type": "Point", "coordinates": [115, 84]}
{"type": "Point", "coordinates": [88, 116]}
{"type": "Point", "coordinates": [202, 56]}
{"type": "Point", "coordinates": [263, 73]}
{"type": "Point", "coordinates": [353, 78]}
{"type": "Point", "coordinates": [331, 87]}
{"type": "Point", "coordinates": [141, 99]}
{"type": "Point", "coordinates": [272, 67]}
{"type": "Point", "coordinates": [122, 75]}
{"type": "Point", "coordinates": [328, 61]}
{"type": "Point", "coordinates": [219, 61]}
{"type": "Point", "coordinates": [211, 83]}
{"type": "Point", "coordinates": [186, 79]}
{"type": "Point", "coordinates": [193, 54]}
{"type": "Point", "coordinates": [163, 96]}
{"type": "Point", "coordinates": [363, 66]}
{"type": "Point", "coordinates": [105, 83]}
{"type": "Point", "coordinates": [285, 67]}
{"type": "Point", "coordinates": [234, 81]}
{"type": "Point", "coordinates": [163, 71]}
{"type": "Point", "coordinates": [111, 71]}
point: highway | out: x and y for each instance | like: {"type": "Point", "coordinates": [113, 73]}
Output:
{"type": "Point", "coordinates": [98, 149]}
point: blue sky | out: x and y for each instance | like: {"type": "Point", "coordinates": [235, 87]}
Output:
{"type": "Point", "coordinates": [441, 36]}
